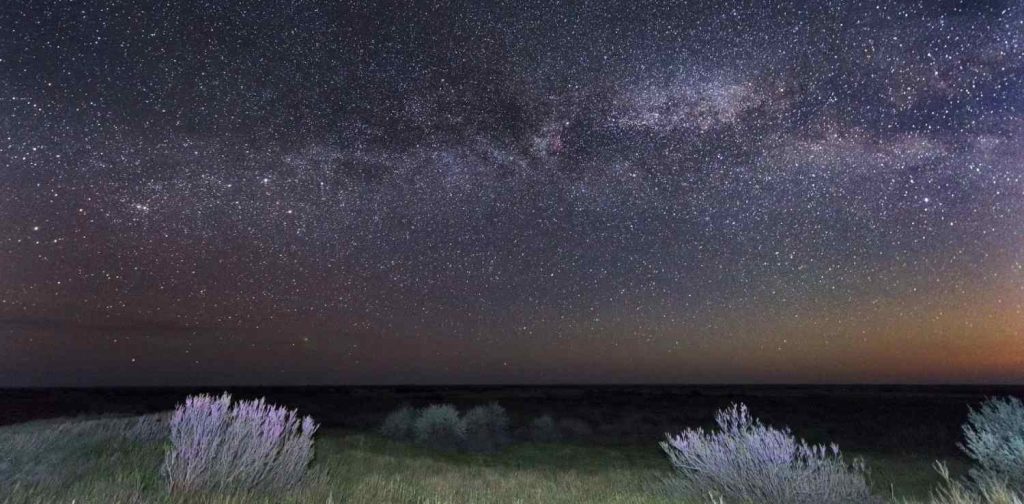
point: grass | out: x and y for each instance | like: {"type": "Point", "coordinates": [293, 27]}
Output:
{"type": "Point", "coordinates": [904, 477]}
{"type": "Point", "coordinates": [112, 461]}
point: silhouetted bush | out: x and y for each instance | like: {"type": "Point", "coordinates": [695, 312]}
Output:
{"type": "Point", "coordinates": [438, 426]}
{"type": "Point", "coordinates": [398, 425]}
{"type": "Point", "coordinates": [486, 428]}
{"type": "Point", "coordinates": [544, 430]}
{"type": "Point", "coordinates": [215, 445]}
{"type": "Point", "coordinates": [574, 429]}
{"type": "Point", "coordinates": [747, 462]}
{"type": "Point", "coordinates": [994, 439]}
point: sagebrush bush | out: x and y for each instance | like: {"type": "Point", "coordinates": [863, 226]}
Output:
{"type": "Point", "coordinates": [574, 429]}
{"type": "Point", "coordinates": [215, 445]}
{"type": "Point", "coordinates": [485, 428]}
{"type": "Point", "coordinates": [748, 462]}
{"type": "Point", "coordinates": [398, 425]}
{"type": "Point", "coordinates": [544, 430]}
{"type": "Point", "coordinates": [994, 440]}
{"type": "Point", "coordinates": [438, 426]}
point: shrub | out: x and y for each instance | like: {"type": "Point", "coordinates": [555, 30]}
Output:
{"type": "Point", "coordinates": [398, 425]}
{"type": "Point", "coordinates": [575, 429]}
{"type": "Point", "coordinates": [485, 428]}
{"type": "Point", "coordinates": [748, 462]}
{"type": "Point", "coordinates": [544, 430]}
{"type": "Point", "coordinates": [215, 445]}
{"type": "Point", "coordinates": [994, 439]}
{"type": "Point", "coordinates": [438, 427]}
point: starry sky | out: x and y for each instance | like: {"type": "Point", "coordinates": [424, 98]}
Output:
{"type": "Point", "coordinates": [528, 191]}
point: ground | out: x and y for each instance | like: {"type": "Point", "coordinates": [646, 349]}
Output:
{"type": "Point", "coordinates": [109, 460]}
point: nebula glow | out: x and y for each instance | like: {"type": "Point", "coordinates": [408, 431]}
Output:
{"type": "Point", "coordinates": [511, 192]}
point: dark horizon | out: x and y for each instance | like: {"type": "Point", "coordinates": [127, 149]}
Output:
{"type": "Point", "coordinates": [520, 192]}
{"type": "Point", "coordinates": [947, 388]}
{"type": "Point", "coordinates": [857, 417]}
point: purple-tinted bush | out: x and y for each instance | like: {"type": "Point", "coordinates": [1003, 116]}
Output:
{"type": "Point", "coordinates": [215, 445]}
{"type": "Point", "coordinates": [748, 462]}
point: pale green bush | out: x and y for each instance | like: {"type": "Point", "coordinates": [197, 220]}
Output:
{"type": "Point", "coordinates": [438, 427]}
{"type": "Point", "coordinates": [994, 439]}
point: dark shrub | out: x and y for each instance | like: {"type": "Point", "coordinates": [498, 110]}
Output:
{"type": "Point", "coordinates": [438, 426]}
{"type": "Point", "coordinates": [544, 430]}
{"type": "Point", "coordinates": [574, 429]}
{"type": "Point", "coordinates": [486, 428]}
{"type": "Point", "coordinates": [398, 425]}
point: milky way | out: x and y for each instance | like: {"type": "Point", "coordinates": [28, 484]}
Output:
{"type": "Point", "coordinates": [327, 192]}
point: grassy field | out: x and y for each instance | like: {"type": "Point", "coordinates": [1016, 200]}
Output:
{"type": "Point", "coordinates": [111, 460]}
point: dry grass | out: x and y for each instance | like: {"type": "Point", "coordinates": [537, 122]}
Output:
{"type": "Point", "coordinates": [111, 461]}
{"type": "Point", "coordinates": [349, 468]}
{"type": "Point", "coordinates": [987, 491]}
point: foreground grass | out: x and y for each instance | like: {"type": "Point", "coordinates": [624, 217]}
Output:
{"type": "Point", "coordinates": [111, 461]}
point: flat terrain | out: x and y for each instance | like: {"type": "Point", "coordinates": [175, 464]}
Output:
{"type": "Point", "coordinates": [86, 461]}
{"type": "Point", "coordinates": [898, 431]}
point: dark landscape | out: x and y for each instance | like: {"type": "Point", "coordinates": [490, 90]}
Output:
{"type": "Point", "coordinates": [918, 420]}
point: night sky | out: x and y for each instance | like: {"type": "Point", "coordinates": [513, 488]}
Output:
{"type": "Point", "coordinates": [511, 192]}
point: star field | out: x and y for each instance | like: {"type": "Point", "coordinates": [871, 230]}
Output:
{"type": "Point", "coordinates": [410, 192]}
